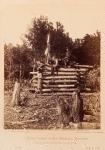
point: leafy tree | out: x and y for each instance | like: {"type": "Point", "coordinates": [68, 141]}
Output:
{"type": "Point", "coordinates": [88, 49]}
{"type": "Point", "coordinates": [91, 46]}
{"type": "Point", "coordinates": [22, 59]}
{"type": "Point", "coordinates": [37, 36]}
{"type": "Point", "coordinates": [60, 41]}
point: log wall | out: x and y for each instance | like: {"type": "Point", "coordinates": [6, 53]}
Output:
{"type": "Point", "coordinates": [64, 81]}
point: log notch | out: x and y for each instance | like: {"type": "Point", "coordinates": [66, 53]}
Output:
{"type": "Point", "coordinates": [16, 94]}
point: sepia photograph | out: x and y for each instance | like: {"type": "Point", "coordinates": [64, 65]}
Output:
{"type": "Point", "coordinates": [52, 66]}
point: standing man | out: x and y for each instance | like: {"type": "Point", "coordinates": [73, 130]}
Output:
{"type": "Point", "coordinates": [68, 53]}
{"type": "Point", "coordinates": [67, 58]}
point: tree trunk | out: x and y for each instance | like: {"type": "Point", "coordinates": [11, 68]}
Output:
{"type": "Point", "coordinates": [34, 61]}
{"type": "Point", "coordinates": [16, 94]}
{"type": "Point", "coordinates": [20, 72]}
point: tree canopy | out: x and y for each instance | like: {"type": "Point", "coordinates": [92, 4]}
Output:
{"type": "Point", "coordinates": [21, 57]}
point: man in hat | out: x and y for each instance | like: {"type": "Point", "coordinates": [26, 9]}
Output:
{"type": "Point", "coordinates": [67, 58]}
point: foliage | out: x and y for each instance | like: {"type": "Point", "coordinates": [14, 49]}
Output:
{"type": "Point", "coordinates": [37, 38]}
{"type": "Point", "coordinates": [88, 49]}
{"type": "Point", "coordinates": [93, 79]}
{"type": "Point", "coordinates": [59, 41]}
{"type": "Point", "coordinates": [19, 59]}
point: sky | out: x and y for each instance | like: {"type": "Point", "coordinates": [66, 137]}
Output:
{"type": "Point", "coordinates": [79, 17]}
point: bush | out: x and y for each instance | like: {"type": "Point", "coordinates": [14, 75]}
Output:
{"type": "Point", "coordinates": [93, 79]}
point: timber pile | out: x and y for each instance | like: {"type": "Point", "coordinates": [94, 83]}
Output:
{"type": "Point", "coordinates": [63, 81]}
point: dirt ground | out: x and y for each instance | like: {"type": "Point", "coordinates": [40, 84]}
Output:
{"type": "Point", "coordinates": [41, 112]}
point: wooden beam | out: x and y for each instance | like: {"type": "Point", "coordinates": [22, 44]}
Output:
{"type": "Point", "coordinates": [59, 77]}
{"type": "Point", "coordinates": [33, 73]}
{"type": "Point", "coordinates": [54, 86]}
{"type": "Point", "coordinates": [59, 81]}
{"type": "Point", "coordinates": [57, 86]}
{"type": "Point", "coordinates": [56, 90]}
{"type": "Point", "coordinates": [46, 68]}
{"type": "Point", "coordinates": [57, 93]}
{"type": "Point", "coordinates": [62, 93]}
{"type": "Point", "coordinates": [84, 66]}
{"type": "Point", "coordinates": [81, 66]}
{"type": "Point", "coordinates": [61, 73]}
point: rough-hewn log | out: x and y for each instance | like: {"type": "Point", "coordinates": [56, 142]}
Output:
{"type": "Point", "coordinates": [81, 66]}
{"type": "Point", "coordinates": [16, 94]}
{"type": "Point", "coordinates": [84, 66]}
{"type": "Point", "coordinates": [58, 89]}
{"type": "Point", "coordinates": [46, 68]}
{"type": "Point", "coordinates": [57, 93]}
{"type": "Point", "coordinates": [63, 94]}
{"type": "Point", "coordinates": [59, 81]}
{"type": "Point", "coordinates": [61, 73]}
{"type": "Point", "coordinates": [33, 73]}
{"type": "Point", "coordinates": [60, 77]}
{"type": "Point", "coordinates": [59, 86]}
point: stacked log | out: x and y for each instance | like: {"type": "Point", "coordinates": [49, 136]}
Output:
{"type": "Point", "coordinates": [64, 80]}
